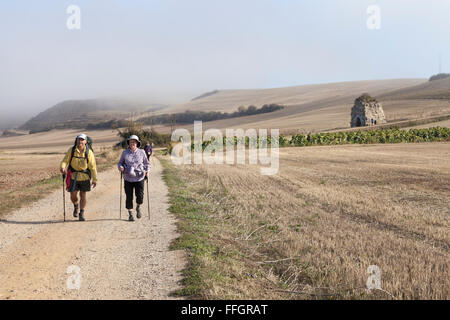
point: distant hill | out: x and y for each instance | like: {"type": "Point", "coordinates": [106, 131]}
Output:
{"type": "Point", "coordinates": [322, 107]}
{"type": "Point", "coordinates": [84, 113]}
{"type": "Point", "coordinates": [308, 108]}
{"type": "Point", "coordinates": [231, 100]}
{"type": "Point", "coordinates": [436, 89]}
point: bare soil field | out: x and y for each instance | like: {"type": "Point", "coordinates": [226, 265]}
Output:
{"type": "Point", "coordinates": [312, 230]}
{"type": "Point", "coordinates": [57, 140]}
{"type": "Point", "coordinates": [18, 170]}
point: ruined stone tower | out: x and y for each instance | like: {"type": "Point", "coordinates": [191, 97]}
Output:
{"type": "Point", "coordinates": [367, 112]}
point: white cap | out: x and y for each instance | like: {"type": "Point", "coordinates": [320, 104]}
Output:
{"type": "Point", "coordinates": [82, 136]}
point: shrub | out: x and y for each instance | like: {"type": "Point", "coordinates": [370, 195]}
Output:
{"type": "Point", "coordinates": [151, 136]}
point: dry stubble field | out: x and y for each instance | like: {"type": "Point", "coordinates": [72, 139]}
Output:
{"type": "Point", "coordinates": [312, 230]}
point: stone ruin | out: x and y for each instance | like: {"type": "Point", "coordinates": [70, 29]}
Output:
{"type": "Point", "coordinates": [367, 112]}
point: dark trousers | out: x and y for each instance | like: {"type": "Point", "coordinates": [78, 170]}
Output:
{"type": "Point", "coordinates": [139, 190]}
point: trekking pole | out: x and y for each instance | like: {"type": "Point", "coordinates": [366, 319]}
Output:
{"type": "Point", "coordinates": [64, 196]}
{"type": "Point", "coordinates": [121, 175]}
{"type": "Point", "coordinates": [148, 201]}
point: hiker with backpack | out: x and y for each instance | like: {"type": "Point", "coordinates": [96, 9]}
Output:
{"type": "Point", "coordinates": [135, 167]}
{"type": "Point", "coordinates": [80, 167]}
{"type": "Point", "coordinates": [148, 150]}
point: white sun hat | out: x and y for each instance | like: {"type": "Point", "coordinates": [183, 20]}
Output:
{"type": "Point", "coordinates": [82, 136]}
{"type": "Point", "coordinates": [134, 137]}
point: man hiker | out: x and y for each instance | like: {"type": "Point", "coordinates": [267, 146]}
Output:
{"type": "Point", "coordinates": [148, 150]}
{"type": "Point", "coordinates": [80, 166]}
{"type": "Point", "coordinates": [135, 167]}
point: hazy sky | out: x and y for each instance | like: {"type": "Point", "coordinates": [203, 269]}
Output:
{"type": "Point", "coordinates": [170, 49]}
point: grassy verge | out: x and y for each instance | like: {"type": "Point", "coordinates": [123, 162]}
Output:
{"type": "Point", "coordinates": [195, 229]}
{"type": "Point", "coordinates": [14, 200]}
{"type": "Point", "coordinates": [220, 265]}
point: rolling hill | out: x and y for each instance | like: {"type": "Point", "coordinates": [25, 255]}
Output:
{"type": "Point", "coordinates": [322, 107]}
{"type": "Point", "coordinates": [79, 113]}
{"type": "Point", "coordinates": [230, 100]}
{"type": "Point", "coordinates": [434, 90]}
{"type": "Point", "coordinates": [308, 108]}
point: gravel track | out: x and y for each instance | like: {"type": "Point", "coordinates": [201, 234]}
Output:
{"type": "Point", "coordinates": [117, 259]}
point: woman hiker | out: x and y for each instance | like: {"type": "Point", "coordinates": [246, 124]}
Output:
{"type": "Point", "coordinates": [135, 167]}
{"type": "Point", "coordinates": [80, 166]}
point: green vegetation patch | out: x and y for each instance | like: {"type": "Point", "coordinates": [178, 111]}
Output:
{"type": "Point", "coordinates": [434, 134]}
{"type": "Point", "coordinates": [196, 228]}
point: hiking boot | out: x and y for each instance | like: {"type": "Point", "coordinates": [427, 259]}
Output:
{"type": "Point", "coordinates": [130, 217]}
{"type": "Point", "coordinates": [138, 212]}
{"type": "Point", "coordinates": [75, 211]}
{"type": "Point", "coordinates": [81, 218]}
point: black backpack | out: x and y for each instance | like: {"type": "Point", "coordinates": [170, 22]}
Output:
{"type": "Point", "coordinates": [86, 153]}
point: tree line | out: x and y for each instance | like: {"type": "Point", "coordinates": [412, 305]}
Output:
{"type": "Point", "coordinates": [191, 116]}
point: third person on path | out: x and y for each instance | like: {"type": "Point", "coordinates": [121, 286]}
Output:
{"type": "Point", "coordinates": [135, 167]}
{"type": "Point", "coordinates": [148, 150]}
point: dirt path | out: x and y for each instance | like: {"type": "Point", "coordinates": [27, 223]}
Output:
{"type": "Point", "coordinates": [117, 259]}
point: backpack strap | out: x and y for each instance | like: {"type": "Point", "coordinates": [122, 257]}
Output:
{"type": "Point", "coordinates": [86, 153]}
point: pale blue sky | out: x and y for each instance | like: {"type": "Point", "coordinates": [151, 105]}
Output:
{"type": "Point", "coordinates": [177, 49]}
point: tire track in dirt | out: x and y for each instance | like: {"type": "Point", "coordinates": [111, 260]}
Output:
{"type": "Point", "coordinates": [117, 259]}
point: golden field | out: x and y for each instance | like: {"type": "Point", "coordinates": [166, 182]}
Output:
{"type": "Point", "coordinates": [313, 229]}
